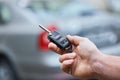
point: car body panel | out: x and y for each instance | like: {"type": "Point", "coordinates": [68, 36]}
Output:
{"type": "Point", "coordinates": [18, 40]}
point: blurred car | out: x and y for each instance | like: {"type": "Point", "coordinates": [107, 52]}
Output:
{"type": "Point", "coordinates": [21, 54]}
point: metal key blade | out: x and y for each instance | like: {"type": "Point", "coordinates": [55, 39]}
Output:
{"type": "Point", "coordinates": [45, 29]}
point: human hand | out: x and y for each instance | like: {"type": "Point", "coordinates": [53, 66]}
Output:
{"type": "Point", "coordinates": [81, 59]}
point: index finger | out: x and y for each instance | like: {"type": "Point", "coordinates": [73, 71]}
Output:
{"type": "Point", "coordinates": [54, 48]}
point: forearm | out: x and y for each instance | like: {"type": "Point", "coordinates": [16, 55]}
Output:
{"type": "Point", "coordinates": [107, 67]}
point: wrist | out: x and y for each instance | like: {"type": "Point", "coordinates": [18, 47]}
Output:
{"type": "Point", "coordinates": [96, 64]}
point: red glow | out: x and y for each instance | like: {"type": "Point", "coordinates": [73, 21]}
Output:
{"type": "Point", "coordinates": [42, 38]}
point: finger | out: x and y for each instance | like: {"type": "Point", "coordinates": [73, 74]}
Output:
{"type": "Point", "coordinates": [54, 48]}
{"type": "Point", "coordinates": [74, 39]}
{"type": "Point", "coordinates": [67, 56]}
{"type": "Point", "coordinates": [67, 65]}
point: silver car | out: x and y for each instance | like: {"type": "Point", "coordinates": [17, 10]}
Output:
{"type": "Point", "coordinates": [20, 53]}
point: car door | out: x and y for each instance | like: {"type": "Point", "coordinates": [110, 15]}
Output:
{"type": "Point", "coordinates": [19, 35]}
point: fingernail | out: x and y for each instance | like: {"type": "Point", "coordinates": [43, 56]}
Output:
{"type": "Point", "coordinates": [72, 55]}
{"type": "Point", "coordinates": [68, 62]}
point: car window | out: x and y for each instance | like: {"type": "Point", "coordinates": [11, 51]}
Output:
{"type": "Point", "coordinates": [4, 13]}
{"type": "Point", "coordinates": [65, 8]}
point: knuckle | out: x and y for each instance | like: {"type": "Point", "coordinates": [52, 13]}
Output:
{"type": "Point", "coordinates": [60, 59]}
{"type": "Point", "coordinates": [63, 67]}
{"type": "Point", "coordinates": [76, 37]}
{"type": "Point", "coordinates": [85, 38]}
{"type": "Point", "coordinates": [63, 57]}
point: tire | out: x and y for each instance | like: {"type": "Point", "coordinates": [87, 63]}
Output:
{"type": "Point", "coordinates": [6, 71]}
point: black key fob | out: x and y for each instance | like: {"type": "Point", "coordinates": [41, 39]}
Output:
{"type": "Point", "coordinates": [61, 41]}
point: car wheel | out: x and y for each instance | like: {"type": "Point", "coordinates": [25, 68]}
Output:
{"type": "Point", "coordinates": [6, 71]}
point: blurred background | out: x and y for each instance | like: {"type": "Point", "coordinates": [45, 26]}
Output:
{"type": "Point", "coordinates": [23, 45]}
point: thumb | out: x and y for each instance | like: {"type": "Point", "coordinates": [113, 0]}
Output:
{"type": "Point", "coordinates": [74, 39]}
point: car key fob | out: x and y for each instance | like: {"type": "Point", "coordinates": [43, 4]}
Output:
{"type": "Point", "coordinates": [61, 41]}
